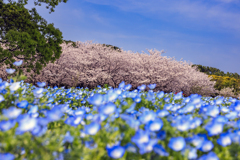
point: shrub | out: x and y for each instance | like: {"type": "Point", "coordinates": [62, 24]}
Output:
{"type": "Point", "coordinates": [227, 92]}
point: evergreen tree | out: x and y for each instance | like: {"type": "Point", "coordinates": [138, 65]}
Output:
{"type": "Point", "coordinates": [27, 40]}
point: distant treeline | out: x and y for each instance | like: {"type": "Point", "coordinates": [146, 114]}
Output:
{"type": "Point", "coordinates": [215, 71]}
{"type": "Point", "coordinates": [230, 80]}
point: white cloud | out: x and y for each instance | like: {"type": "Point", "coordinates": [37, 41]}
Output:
{"type": "Point", "coordinates": [228, 1]}
{"type": "Point", "coordinates": [212, 14]}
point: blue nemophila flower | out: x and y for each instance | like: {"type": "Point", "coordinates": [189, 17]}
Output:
{"type": "Point", "coordinates": [224, 140]}
{"type": "Point", "coordinates": [33, 111]}
{"type": "Point", "coordinates": [74, 121]}
{"type": "Point", "coordinates": [206, 146]}
{"type": "Point", "coordinates": [23, 104]}
{"type": "Point", "coordinates": [99, 117]}
{"type": "Point", "coordinates": [127, 87]}
{"type": "Point", "coordinates": [1, 97]}
{"type": "Point", "coordinates": [10, 71]}
{"type": "Point", "coordinates": [219, 101]}
{"type": "Point", "coordinates": [147, 147]}
{"type": "Point", "coordinates": [116, 151]}
{"type": "Point", "coordinates": [121, 85]}
{"type": "Point", "coordinates": [90, 144]}
{"type": "Point", "coordinates": [133, 123]}
{"type": "Point", "coordinates": [195, 122]}
{"type": "Point", "coordinates": [82, 133]}
{"type": "Point", "coordinates": [221, 119]}
{"type": "Point", "coordinates": [23, 151]}
{"type": "Point", "coordinates": [12, 112]}
{"type": "Point", "coordinates": [197, 140]}
{"type": "Point", "coordinates": [174, 108]}
{"type": "Point", "coordinates": [155, 125]}
{"type": "Point", "coordinates": [142, 87]}
{"type": "Point", "coordinates": [212, 111]}
{"type": "Point", "coordinates": [192, 152]}
{"type": "Point", "coordinates": [116, 143]}
{"type": "Point", "coordinates": [161, 135]}
{"type": "Point", "coordinates": [79, 112]}
{"type": "Point", "coordinates": [143, 110]}
{"type": "Point", "coordinates": [152, 86]}
{"type": "Point", "coordinates": [55, 114]}
{"type": "Point", "coordinates": [224, 109]}
{"type": "Point", "coordinates": [195, 99]}
{"type": "Point", "coordinates": [178, 96]}
{"type": "Point", "coordinates": [26, 123]}
{"type": "Point", "coordinates": [182, 125]}
{"type": "Point", "coordinates": [7, 156]}
{"type": "Point", "coordinates": [162, 113]}
{"type": "Point", "coordinates": [87, 109]}
{"type": "Point", "coordinates": [50, 100]}
{"type": "Point", "coordinates": [3, 86]}
{"type": "Point", "coordinates": [41, 84]}
{"type": "Point", "coordinates": [39, 130]}
{"type": "Point", "coordinates": [18, 63]}
{"type": "Point", "coordinates": [178, 119]}
{"type": "Point", "coordinates": [130, 148]}
{"type": "Point", "coordinates": [14, 86]}
{"type": "Point", "coordinates": [131, 108]}
{"type": "Point", "coordinates": [96, 99]}
{"type": "Point", "coordinates": [236, 106]}
{"type": "Point", "coordinates": [235, 137]}
{"type": "Point", "coordinates": [168, 106]}
{"type": "Point", "coordinates": [209, 156]}
{"type": "Point", "coordinates": [232, 115]}
{"type": "Point", "coordinates": [237, 125]}
{"type": "Point", "coordinates": [137, 99]}
{"type": "Point", "coordinates": [112, 95]}
{"type": "Point", "coordinates": [61, 107]}
{"type": "Point", "coordinates": [107, 109]}
{"type": "Point", "coordinates": [140, 137]}
{"type": "Point", "coordinates": [160, 95]}
{"type": "Point", "coordinates": [6, 125]}
{"type": "Point", "coordinates": [42, 121]}
{"type": "Point", "coordinates": [189, 108]}
{"type": "Point", "coordinates": [147, 116]}
{"type": "Point", "coordinates": [92, 128]}
{"type": "Point", "coordinates": [160, 150]}
{"type": "Point", "coordinates": [177, 143]}
{"type": "Point", "coordinates": [58, 156]}
{"type": "Point", "coordinates": [11, 81]}
{"type": "Point", "coordinates": [38, 90]}
{"type": "Point", "coordinates": [89, 116]}
{"type": "Point", "coordinates": [68, 138]}
{"type": "Point", "coordinates": [214, 128]}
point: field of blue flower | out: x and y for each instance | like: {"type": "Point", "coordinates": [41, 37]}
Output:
{"type": "Point", "coordinates": [102, 124]}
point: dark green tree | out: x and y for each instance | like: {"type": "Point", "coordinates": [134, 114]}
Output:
{"type": "Point", "coordinates": [27, 40]}
{"type": "Point", "coordinates": [214, 71]}
{"type": "Point", "coordinates": [112, 47]}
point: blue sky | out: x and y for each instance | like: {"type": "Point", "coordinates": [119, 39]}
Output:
{"type": "Point", "coordinates": [205, 32]}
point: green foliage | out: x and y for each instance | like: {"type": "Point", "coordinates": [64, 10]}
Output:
{"type": "Point", "coordinates": [222, 80]}
{"type": "Point", "coordinates": [23, 36]}
{"type": "Point", "coordinates": [215, 71]}
{"type": "Point", "coordinates": [106, 86]}
{"type": "Point", "coordinates": [226, 82]}
{"type": "Point", "coordinates": [73, 43]}
{"type": "Point", "coordinates": [52, 3]}
{"type": "Point", "coordinates": [112, 47]}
